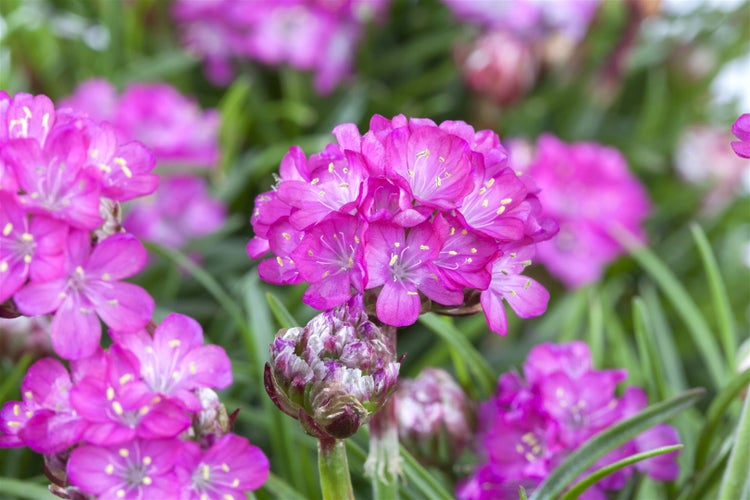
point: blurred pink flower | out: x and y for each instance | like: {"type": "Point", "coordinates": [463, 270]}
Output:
{"type": "Point", "coordinates": [588, 189]}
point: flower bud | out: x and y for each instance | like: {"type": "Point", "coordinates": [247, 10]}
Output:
{"type": "Point", "coordinates": [500, 66]}
{"type": "Point", "coordinates": [334, 373]}
{"type": "Point", "coordinates": [435, 418]}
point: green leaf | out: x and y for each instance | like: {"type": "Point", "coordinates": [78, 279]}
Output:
{"type": "Point", "coordinates": [280, 312]}
{"type": "Point", "coordinates": [735, 482]}
{"type": "Point", "coordinates": [715, 415]}
{"type": "Point", "coordinates": [650, 361]}
{"type": "Point", "coordinates": [16, 488]}
{"type": "Point", "coordinates": [719, 297]}
{"type": "Point", "coordinates": [475, 362]}
{"type": "Point", "coordinates": [278, 487]}
{"type": "Point", "coordinates": [599, 474]}
{"type": "Point", "coordinates": [12, 381]}
{"type": "Point", "coordinates": [682, 302]}
{"type": "Point", "coordinates": [601, 444]}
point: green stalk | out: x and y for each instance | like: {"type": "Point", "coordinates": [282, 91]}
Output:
{"type": "Point", "coordinates": [335, 482]}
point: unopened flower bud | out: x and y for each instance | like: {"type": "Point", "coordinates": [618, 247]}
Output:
{"type": "Point", "coordinates": [334, 373]}
{"type": "Point", "coordinates": [212, 421]}
{"type": "Point", "coordinates": [500, 66]}
{"type": "Point", "coordinates": [435, 418]}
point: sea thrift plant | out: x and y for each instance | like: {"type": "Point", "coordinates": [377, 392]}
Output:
{"type": "Point", "coordinates": [534, 421]}
{"type": "Point", "coordinates": [588, 189]}
{"type": "Point", "coordinates": [63, 177]}
{"type": "Point", "coordinates": [415, 215]}
{"type": "Point", "coordinates": [309, 35]}
{"type": "Point", "coordinates": [137, 419]}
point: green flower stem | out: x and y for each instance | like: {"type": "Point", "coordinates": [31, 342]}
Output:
{"type": "Point", "coordinates": [335, 482]}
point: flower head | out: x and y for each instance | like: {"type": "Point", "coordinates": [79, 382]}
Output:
{"type": "Point", "coordinates": [741, 130]}
{"type": "Point", "coordinates": [533, 423]}
{"type": "Point", "coordinates": [414, 213]}
{"type": "Point", "coordinates": [334, 373]}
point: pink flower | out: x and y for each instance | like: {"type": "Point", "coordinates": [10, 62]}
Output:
{"type": "Point", "coordinates": [741, 129]}
{"type": "Point", "coordinates": [171, 125]}
{"type": "Point", "coordinates": [28, 248]}
{"type": "Point", "coordinates": [179, 211]}
{"type": "Point", "coordinates": [226, 470]}
{"type": "Point", "coordinates": [591, 193]}
{"type": "Point", "coordinates": [434, 207]}
{"type": "Point", "coordinates": [532, 424]}
{"type": "Point", "coordinates": [306, 35]}
{"type": "Point", "coordinates": [174, 362]}
{"type": "Point", "coordinates": [91, 287]}
{"type": "Point", "coordinates": [134, 470]}
{"type": "Point", "coordinates": [45, 420]}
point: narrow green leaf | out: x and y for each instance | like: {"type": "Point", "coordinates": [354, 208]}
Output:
{"type": "Point", "coordinates": [444, 328]}
{"type": "Point", "coordinates": [599, 474]}
{"type": "Point", "coordinates": [13, 380]}
{"type": "Point", "coordinates": [281, 489]}
{"type": "Point", "coordinates": [735, 482]}
{"type": "Point", "coordinates": [233, 120]}
{"type": "Point", "coordinates": [421, 478]}
{"type": "Point", "coordinates": [601, 444]}
{"type": "Point", "coordinates": [682, 302]}
{"type": "Point", "coordinates": [716, 412]}
{"type": "Point", "coordinates": [707, 478]}
{"type": "Point", "coordinates": [280, 312]}
{"type": "Point", "coordinates": [17, 488]}
{"type": "Point", "coordinates": [650, 362]}
{"type": "Point", "coordinates": [596, 325]}
{"type": "Point", "coordinates": [522, 493]}
{"type": "Point", "coordinates": [719, 297]}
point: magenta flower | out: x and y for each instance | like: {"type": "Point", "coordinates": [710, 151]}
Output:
{"type": "Point", "coordinates": [329, 257]}
{"type": "Point", "coordinates": [524, 295]}
{"type": "Point", "coordinates": [118, 406]}
{"type": "Point", "coordinates": [28, 249]}
{"type": "Point", "coordinates": [53, 178]}
{"type": "Point", "coordinates": [412, 212]}
{"type": "Point", "coordinates": [45, 421]}
{"type": "Point", "coordinates": [304, 35]}
{"type": "Point", "coordinates": [532, 424]}
{"type": "Point", "coordinates": [230, 467]}
{"type": "Point", "coordinates": [28, 117]}
{"type": "Point", "coordinates": [741, 129]}
{"type": "Point", "coordinates": [398, 262]}
{"type": "Point", "coordinates": [591, 193]}
{"type": "Point", "coordinates": [135, 470]}
{"type": "Point", "coordinates": [179, 211]}
{"type": "Point", "coordinates": [174, 362]}
{"type": "Point", "coordinates": [91, 287]}
{"type": "Point", "coordinates": [176, 130]}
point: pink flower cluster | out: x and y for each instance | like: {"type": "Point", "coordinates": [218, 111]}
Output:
{"type": "Point", "coordinates": [532, 424]}
{"type": "Point", "coordinates": [138, 420]}
{"type": "Point", "coordinates": [410, 212]}
{"type": "Point", "coordinates": [588, 189]}
{"type": "Point", "coordinates": [172, 126]}
{"type": "Point", "coordinates": [62, 176]}
{"type": "Point", "coordinates": [317, 35]}
{"type": "Point", "coordinates": [530, 19]}
{"type": "Point", "coordinates": [181, 136]}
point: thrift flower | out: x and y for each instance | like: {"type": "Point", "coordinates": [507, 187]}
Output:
{"type": "Point", "coordinates": [588, 189]}
{"type": "Point", "coordinates": [206, 474]}
{"type": "Point", "coordinates": [91, 287]}
{"type": "Point", "coordinates": [413, 213]}
{"type": "Point", "coordinates": [532, 424]}
{"type": "Point", "coordinates": [133, 470]}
